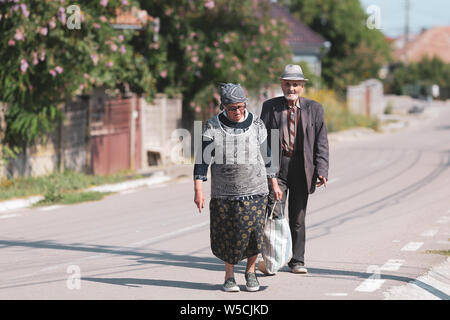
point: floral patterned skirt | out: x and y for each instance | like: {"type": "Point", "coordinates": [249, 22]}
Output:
{"type": "Point", "coordinates": [236, 228]}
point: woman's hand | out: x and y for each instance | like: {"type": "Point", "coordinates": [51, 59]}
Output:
{"type": "Point", "coordinates": [199, 197]}
{"type": "Point", "coordinates": [276, 189]}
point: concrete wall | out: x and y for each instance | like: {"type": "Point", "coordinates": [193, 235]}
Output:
{"type": "Point", "coordinates": [366, 98]}
{"type": "Point", "coordinates": [159, 120]}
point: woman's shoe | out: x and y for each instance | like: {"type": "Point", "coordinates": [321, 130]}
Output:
{"type": "Point", "coordinates": [230, 285]}
{"type": "Point", "coordinates": [252, 284]}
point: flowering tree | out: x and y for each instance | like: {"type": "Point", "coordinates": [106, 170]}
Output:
{"type": "Point", "coordinates": [51, 51]}
{"type": "Point", "coordinates": [207, 42]}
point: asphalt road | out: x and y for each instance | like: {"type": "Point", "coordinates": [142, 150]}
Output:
{"type": "Point", "coordinates": [386, 204]}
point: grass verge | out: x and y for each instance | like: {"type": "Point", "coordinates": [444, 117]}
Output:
{"type": "Point", "coordinates": [72, 198]}
{"type": "Point", "coordinates": [443, 252]}
{"type": "Point", "coordinates": [57, 185]}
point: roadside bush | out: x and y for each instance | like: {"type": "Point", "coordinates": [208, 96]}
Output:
{"type": "Point", "coordinates": [337, 115]}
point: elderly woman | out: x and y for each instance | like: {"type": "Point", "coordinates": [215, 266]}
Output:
{"type": "Point", "coordinates": [234, 146]}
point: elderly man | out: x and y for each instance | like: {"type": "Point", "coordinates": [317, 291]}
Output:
{"type": "Point", "coordinates": [303, 162]}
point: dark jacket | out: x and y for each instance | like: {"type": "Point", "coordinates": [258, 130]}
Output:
{"type": "Point", "coordinates": [315, 140]}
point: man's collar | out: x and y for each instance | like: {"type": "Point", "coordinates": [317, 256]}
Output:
{"type": "Point", "coordinates": [297, 103]}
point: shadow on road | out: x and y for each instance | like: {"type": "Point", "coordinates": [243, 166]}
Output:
{"type": "Point", "coordinates": [189, 261]}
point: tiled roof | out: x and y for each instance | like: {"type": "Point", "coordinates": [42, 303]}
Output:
{"type": "Point", "coordinates": [430, 43]}
{"type": "Point", "coordinates": [134, 17]}
{"type": "Point", "coordinates": [301, 33]}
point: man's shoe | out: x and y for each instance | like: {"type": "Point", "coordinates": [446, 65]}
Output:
{"type": "Point", "coordinates": [298, 269]}
{"type": "Point", "coordinates": [252, 284]}
{"type": "Point", "coordinates": [230, 285]}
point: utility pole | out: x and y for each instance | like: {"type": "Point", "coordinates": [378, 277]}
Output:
{"type": "Point", "coordinates": [406, 36]}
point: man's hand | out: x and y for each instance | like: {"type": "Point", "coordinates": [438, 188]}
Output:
{"type": "Point", "coordinates": [322, 181]}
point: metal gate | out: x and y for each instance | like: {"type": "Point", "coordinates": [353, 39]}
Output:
{"type": "Point", "coordinates": [115, 139]}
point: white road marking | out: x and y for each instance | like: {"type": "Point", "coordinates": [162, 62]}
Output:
{"type": "Point", "coordinates": [392, 265]}
{"type": "Point", "coordinates": [412, 246]}
{"type": "Point", "coordinates": [337, 294]}
{"type": "Point", "coordinates": [371, 284]}
{"type": "Point", "coordinates": [395, 241]}
{"type": "Point", "coordinates": [128, 191]}
{"type": "Point", "coordinates": [50, 208]}
{"type": "Point", "coordinates": [443, 220]}
{"type": "Point", "coordinates": [429, 233]}
{"type": "Point", "coordinates": [6, 216]}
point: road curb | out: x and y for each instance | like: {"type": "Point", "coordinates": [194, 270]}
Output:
{"type": "Point", "coordinates": [154, 177]}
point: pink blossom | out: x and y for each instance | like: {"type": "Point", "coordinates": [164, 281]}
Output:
{"type": "Point", "coordinates": [163, 73]}
{"type": "Point", "coordinates": [42, 55]}
{"type": "Point", "coordinates": [86, 76]}
{"type": "Point", "coordinates": [188, 48]}
{"type": "Point", "coordinates": [216, 44]}
{"type": "Point", "coordinates": [19, 35]}
{"type": "Point", "coordinates": [109, 64]}
{"type": "Point", "coordinates": [198, 109]}
{"type": "Point", "coordinates": [192, 104]}
{"type": "Point", "coordinates": [226, 40]}
{"type": "Point", "coordinates": [261, 29]}
{"type": "Point", "coordinates": [102, 19]}
{"type": "Point", "coordinates": [59, 69]}
{"type": "Point", "coordinates": [44, 31]}
{"type": "Point", "coordinates": [209, 4]}
{"type": "Point", "coordinates": [94, 59]}
{"type": "Point", "coordinates": [35, 58]}
{"type": "Point", "coordinates": [96, 26]}
{"type": "Point", "coordinates": [120, 37]}
{"type": "Point", "coordinates": [220, 56]}
{"type": "Point", "coordinates": [194, 59]}
{"type": "Point", "coordinates": [25, 11]}
{"type": "Point", "coordinates": [207, 49]}
{"type": "Point", "coordinates": [125, 2]}
{"type": "Point", "coordinates": [52, 23]}
{"type": "Point", "coordinates": [255, 60]}
{"type": "Point", "coordinates": [11, 42]}
{"type": "Point", "coordinates": [23, 65]}
{"type": "Point", "coordinates": [217, 65]}
{"type": "Point", "coordinates": [113, 47]}
{"type": "Point", "coordinates": [122, 49]}
{"type": "Point", "coordinates": [62, 15]}
{"type": "Point", "coordinates": [52, 72]}
{"type": "Point", "coordinates": [104, 2]}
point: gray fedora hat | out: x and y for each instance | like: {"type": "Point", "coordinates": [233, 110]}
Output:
{"type": "Point", "coordinates": [293, 72]}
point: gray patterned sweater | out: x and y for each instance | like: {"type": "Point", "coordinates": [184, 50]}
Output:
{"type": "Point", "coordinates": [238, 155]}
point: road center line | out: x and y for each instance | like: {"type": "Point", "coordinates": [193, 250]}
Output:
{"type": "Point", "coordinates": [429, 233]}
{"type": "Point", "coordinates": [392, 265]}
{"type": "Point", "coordinates": [412, 246]}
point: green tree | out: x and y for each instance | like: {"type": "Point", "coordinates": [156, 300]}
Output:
{"type": "Point", "coordinates": [207, 42]}
{"type": "Point", "coordinates": [420, 74]}
{"type": "Point", "coordinates": [357, 52]}
{"type": "Point", "coordinates": [46, 61]}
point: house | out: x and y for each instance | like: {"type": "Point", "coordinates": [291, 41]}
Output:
{"type": "Point", "coordinates": [434, 42]}
{"type": "Point", "coordinates": [306, 45]}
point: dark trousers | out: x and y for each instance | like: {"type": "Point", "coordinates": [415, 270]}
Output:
{"type": "Point", "coordinates": [292, 181]}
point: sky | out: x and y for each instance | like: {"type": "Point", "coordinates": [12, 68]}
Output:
{"type": "Point", "coordinates": [422, 14]}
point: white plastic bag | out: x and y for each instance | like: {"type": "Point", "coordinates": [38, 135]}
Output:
{"type": "Point", "coordinates": [277, 243]}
